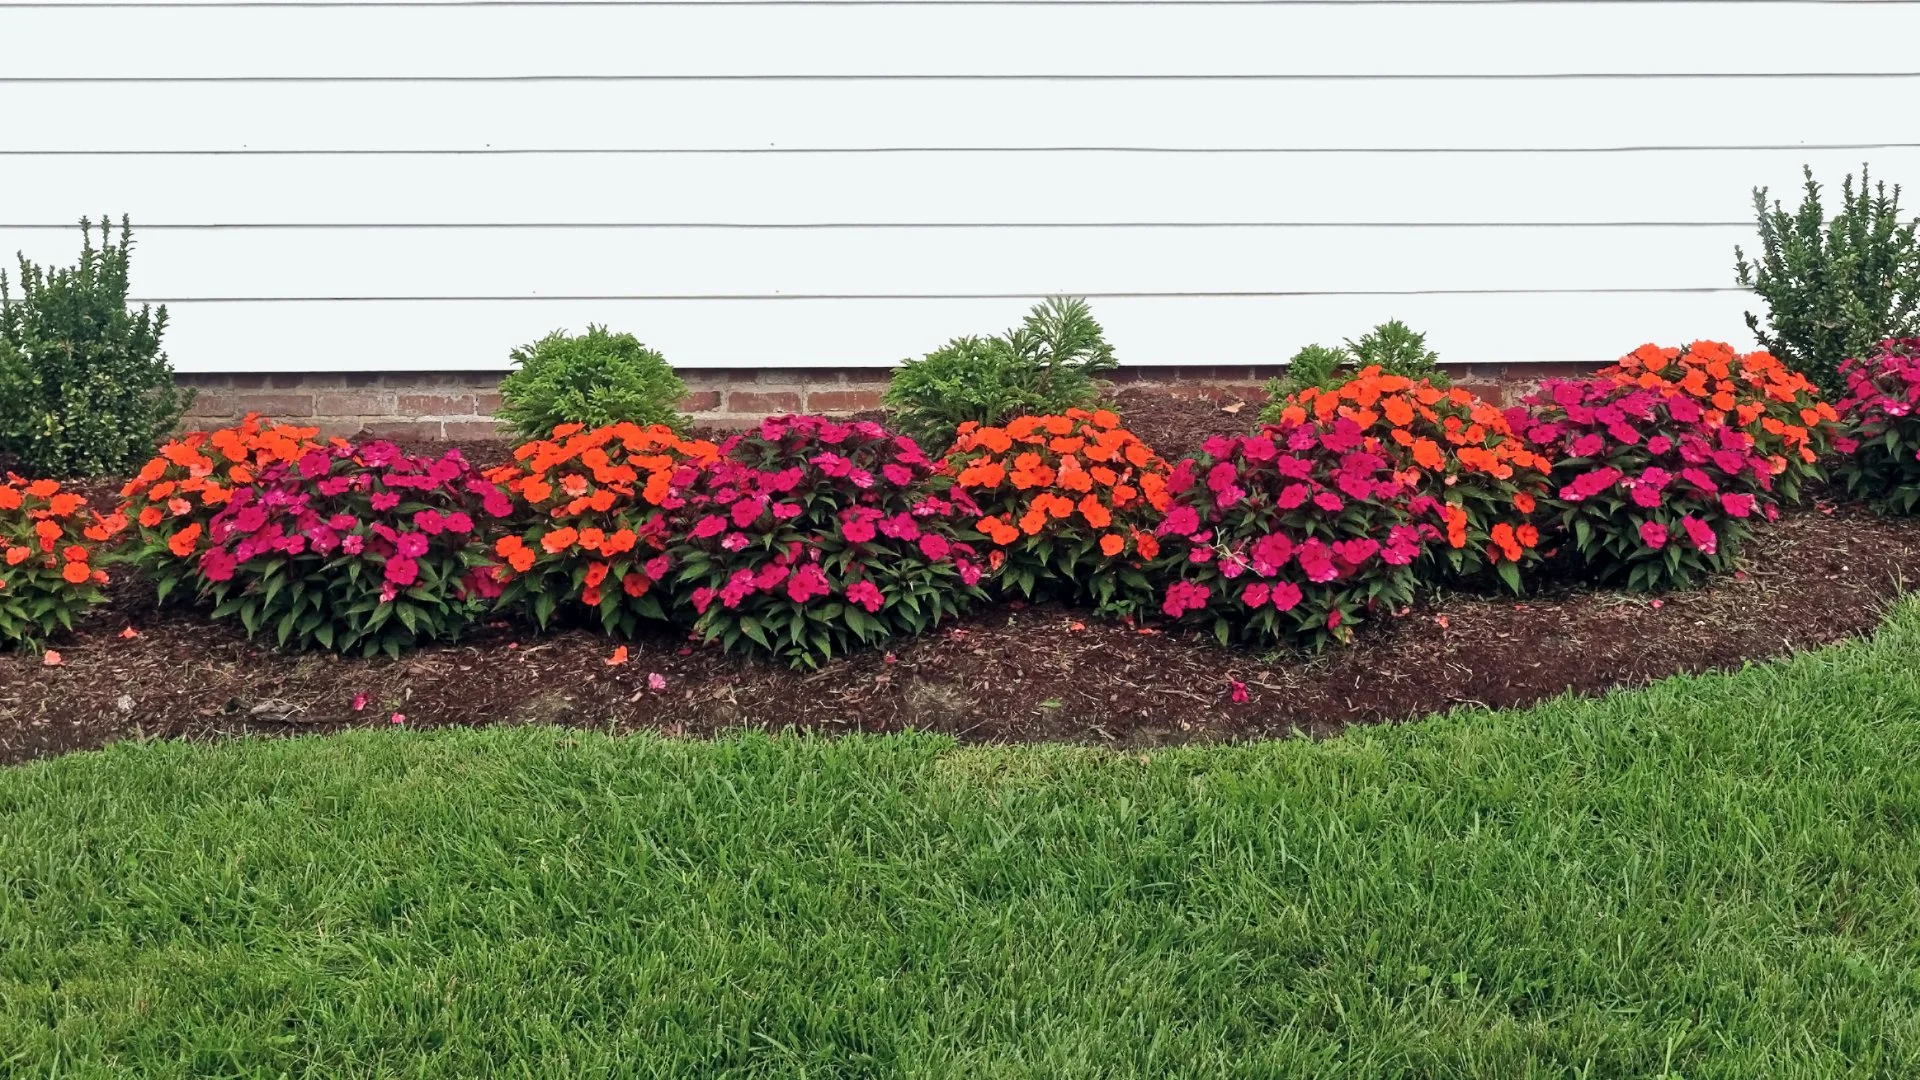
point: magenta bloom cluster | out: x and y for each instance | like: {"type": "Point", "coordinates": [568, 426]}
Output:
{"type": "Point", "coordinates": [1298, 532]}
{"type": "Point", "coordinates": [1645, 490]}
{"type": "Point", "coordinates": [1880, 444]}
{"type": "Point", "coordinates": [350, 545]}
{"type": "Point", "coordinates": [807, 536]}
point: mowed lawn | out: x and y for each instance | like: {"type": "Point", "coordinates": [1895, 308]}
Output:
{"type": "Point", "coordinates": [1715, 877]}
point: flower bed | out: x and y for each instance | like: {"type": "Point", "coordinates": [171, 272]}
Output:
{"type": "Point", "coordinates": [50, 558]}
{"type": "Point", "coordinates": [1880, 450]}
{"type": "Point", "coordinates": [1465, 465]}
{"type": "Point", "coordinates": [1651, 492]}
{"type": "Point", "coordinates": [593, 523]}
{"type": "Point", "coordinates": [1298, 533]}
{"type": "Point", "coordinates": [1069, 504]}
{"type": "Point", "coordinates": [352, 548]}
{"type": "Point", "coordinates": [807, 537]}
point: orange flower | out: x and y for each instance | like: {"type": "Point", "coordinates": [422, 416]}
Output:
{"type": "Point", "coordinates": [76, 573]}
{"type": "Point", "coordinates": [183, 542]}
{"type": "Point", "coordinates": [1097, 515]}
{"type": "Point", "coordinates": [18, 555]}
{"type": "Point", "coordinates": [521, 560]}
{"type": "Point", "coordinates": [559, 540]}
{"type": "Point", "coordinates": [1112, 544]}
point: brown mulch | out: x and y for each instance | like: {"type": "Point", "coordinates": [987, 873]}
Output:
{"type": "Point", "coordinates": [1034, 673]}
{"type": "Point", "coordinates": [1175, 422]}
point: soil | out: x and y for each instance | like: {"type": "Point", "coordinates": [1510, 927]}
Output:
{"type": "Point", "coordinates": [1009, 673]}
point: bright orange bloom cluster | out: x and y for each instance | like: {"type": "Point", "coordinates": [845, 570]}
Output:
{"type": "Point", "coordinates": [1079, 468]}
{"type": "Point", "coordinates": [1753, 392]}
{"type": "Point", "coordinates": [178, 491]}
{"type": "Point", "coordinates": [48, 542]}
{"type": "Point", "coordinates": [1452, 447]}
{"type": "Point", "coordinates": [597, 497]}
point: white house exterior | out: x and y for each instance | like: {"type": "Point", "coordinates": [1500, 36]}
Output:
{"type": "Point", "coordinates": [348, 186]}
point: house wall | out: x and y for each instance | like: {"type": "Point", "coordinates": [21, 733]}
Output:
{"type": "Point", "coordinates": [806, 185]}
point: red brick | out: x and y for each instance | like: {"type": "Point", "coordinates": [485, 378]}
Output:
{"type": "Point", "coordinates": [401, 429]}
{"type": "Point", "coordinates": [214, 403]}
{"type": "Point", "coordinates": [247, 382]}
{"type": "Point", "coordinates": [700, 401]}
{"type": "Point", "coordinates": [827, 401]}
{"type": "Point", "coordinates": [458, 430]}
{"type": "Point", "coordinates": [276, 405]}
{"type": "Point", "coordinates": [487, 404]}
{"type": "Point", "coordinates": [869, 375]}
{"type": "Point", "coordinates": [352, 403]}
{"type": "Point", "coordinates": [767, 404]}
{"type": "Point", "coordinates": [1490, 392]}
{"type": "Point", "coordinates": [436, 404]}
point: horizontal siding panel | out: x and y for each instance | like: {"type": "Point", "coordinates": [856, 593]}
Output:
{"type": "Point", "coordinates": [933, 40]}
{"type": "Point", "coordinates": [708, 262]}
{"type": "Point", "coordinates": [1003, 188]}
{"type": "Point", "coordinates": [1361, 115]}
{"type": "Point", "coordinates": [741, 334]}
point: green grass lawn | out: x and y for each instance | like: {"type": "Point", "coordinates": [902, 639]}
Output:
{"type": "Point", "coordinates": [1716, 877]}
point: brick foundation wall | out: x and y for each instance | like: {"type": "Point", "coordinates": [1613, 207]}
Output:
{"type": "Point", "coordinates": [459, 405]}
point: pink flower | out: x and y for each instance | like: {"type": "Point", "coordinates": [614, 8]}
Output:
{"type": "Point", "coordinates": [735, 541]}
{"type": "Point", "coordinates": [1333, 619]}
{"type": "Point", "coordinates": [1701, 534]}
{"type": "Point", "coordinates": [385, 500]}
{"type": "Point", "coordinates": [786, 511]}
{"type": "Point", "coordinates": [656, 681]}
{"type": "Point", "coordinates": [458, 523]}
{"type": "Point", "coordinates": [411, 545]}
{"type": "Point", "coordinates": [1659, 444]}
{"type": "Point", "coordinates": [1286, 595]}
{"type": "Point", "coordinates": [897, 474]}
{"type": "Point", "coordinates": [354, 544]}
{"type": "Point", "coordinates": [1180, 521]}
{"type": "Point", "coordinates": [1239, 691]}
{"type": "Point", "coordinates": [430, 522]}
{"type": "Point", "coordinates": [217, 565]}
{"type": "Point", "coordinates": [1255, 594]}
{"type": "Point", "coordinates": [1737, 505]}
{"type": "Point", "coordinates": [702, 599]}
{"type": "Point", "coordinates": [709, 526]}
{"type": "Point", "coordinates": [747, 511]}
{"type": "Point", "coordinates": [934, 547]}
{"type": "Point", "coordinates": [1329, 502]}
{"type": "Point", "coordinates": [402, 571]}
{"type": "Point", "coordinates": [969, 573]}
{"type": "Point", "coordinates": [1653, 534]}
{"type": "Point", "coordinates": [807, 583]}
{"type": "Point", "coordinates": [1291, 496]}
{"type": "Point", "coordinates": [866, 594]}
{"type": "Point", "coordinates": [359, 702]}
{"type": "Point", "coordinates": [858, 530]}
{"type": "Point", "coordinates": [1184, 596]}
{"type": "Point", "coordinates": [1317, 561]}
{"type": "Point", "coordinates": [1357, 550]}
{"type": "Point", "coordinates": [1271, 552]}
{"type": "Point", "coordinates": [657, 567]}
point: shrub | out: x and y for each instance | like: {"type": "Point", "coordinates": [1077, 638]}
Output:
{"type": "Point", "coordinates": [1393, 347]}
{"type": "Point", "coordinates": [1298, 533]}
{"type": "Point", "coordinates": [1466, 467]}
{"type": "Point", "coordinates": [808, 537]}
{"type": "Point", "coordinates": [598, 504]}
{"type": "Point", "coordinates": [353, 548]}
{"type": "Point", "coordinates": [84, 387]}
{"type": "Point", "coordinates": [1880, 448]}
{"type": "Point", "coordinates": [171, 502]}
{"type": "Point", "coordinates": [1044, 367]}
{"type": "Point", "coordinates": [1648, 491]}
{"type": "Point", "coordinates": [1779, 408]}
{"type": "Point", "coordinates": [1069, 503]}
{"type": "Point", "coordinates": [594, 379]}
{"type": "Point", "coordinates": [1832, 289]}
{"type": "Point", "coordinates": [49, 558]}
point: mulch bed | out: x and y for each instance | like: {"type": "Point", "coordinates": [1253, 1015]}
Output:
{"type": "Point", "coordinates": [1010, 673]}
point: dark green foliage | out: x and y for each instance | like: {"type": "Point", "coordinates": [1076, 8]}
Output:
{"type": "Point", "coordinates": [593, 379]}
{"type": "Point", "coordinates": [1393, 347]}
{"type": "Point", "coordinates": [1045, 366]}
{"type": "Point", "coordinates": [1833, 289]}
{"type": "Point", "coordinates": [84, 387]}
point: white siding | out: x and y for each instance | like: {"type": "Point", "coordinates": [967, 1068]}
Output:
{"type": "Point", "coordinates": [340, 186]}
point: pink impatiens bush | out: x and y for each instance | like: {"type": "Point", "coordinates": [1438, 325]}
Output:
{"type": "Point", "coordinates": [1880, 449]}
{"type": "Point", "coordinates": [1297, 533]}
{"type": "Point", "coordinates": [1647, 492]}
{"type": "Point", "coordinates": [355, 549]}
{"type": "Point", "coordinates": [807, 537]}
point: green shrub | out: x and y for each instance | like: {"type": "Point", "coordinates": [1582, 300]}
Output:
{"type": "Point", "coordinates": [1393, 346]}
{"type": "Point", "coordinates": [1833, 289]}
{"type": "Point", "coordinates": [84, 387]}
{"type": "Point", "coordinates": [594, 379]}
{"type": "Point", "coordinates": [1045, 366]}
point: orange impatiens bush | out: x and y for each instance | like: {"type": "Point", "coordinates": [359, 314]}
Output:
{"type": "Point", "coordinates": [1777, 407]}
{"type": "Point", "coordinates": [50, 543]}
{"type": "Point", "coordinates": [1472, 477]}
{"type": "Point", "coordinates": [169, 505]}
{"type": "Point", "coordinates": [1068, 503]}
{"type": "Point", "coordinates": [596, 506]}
